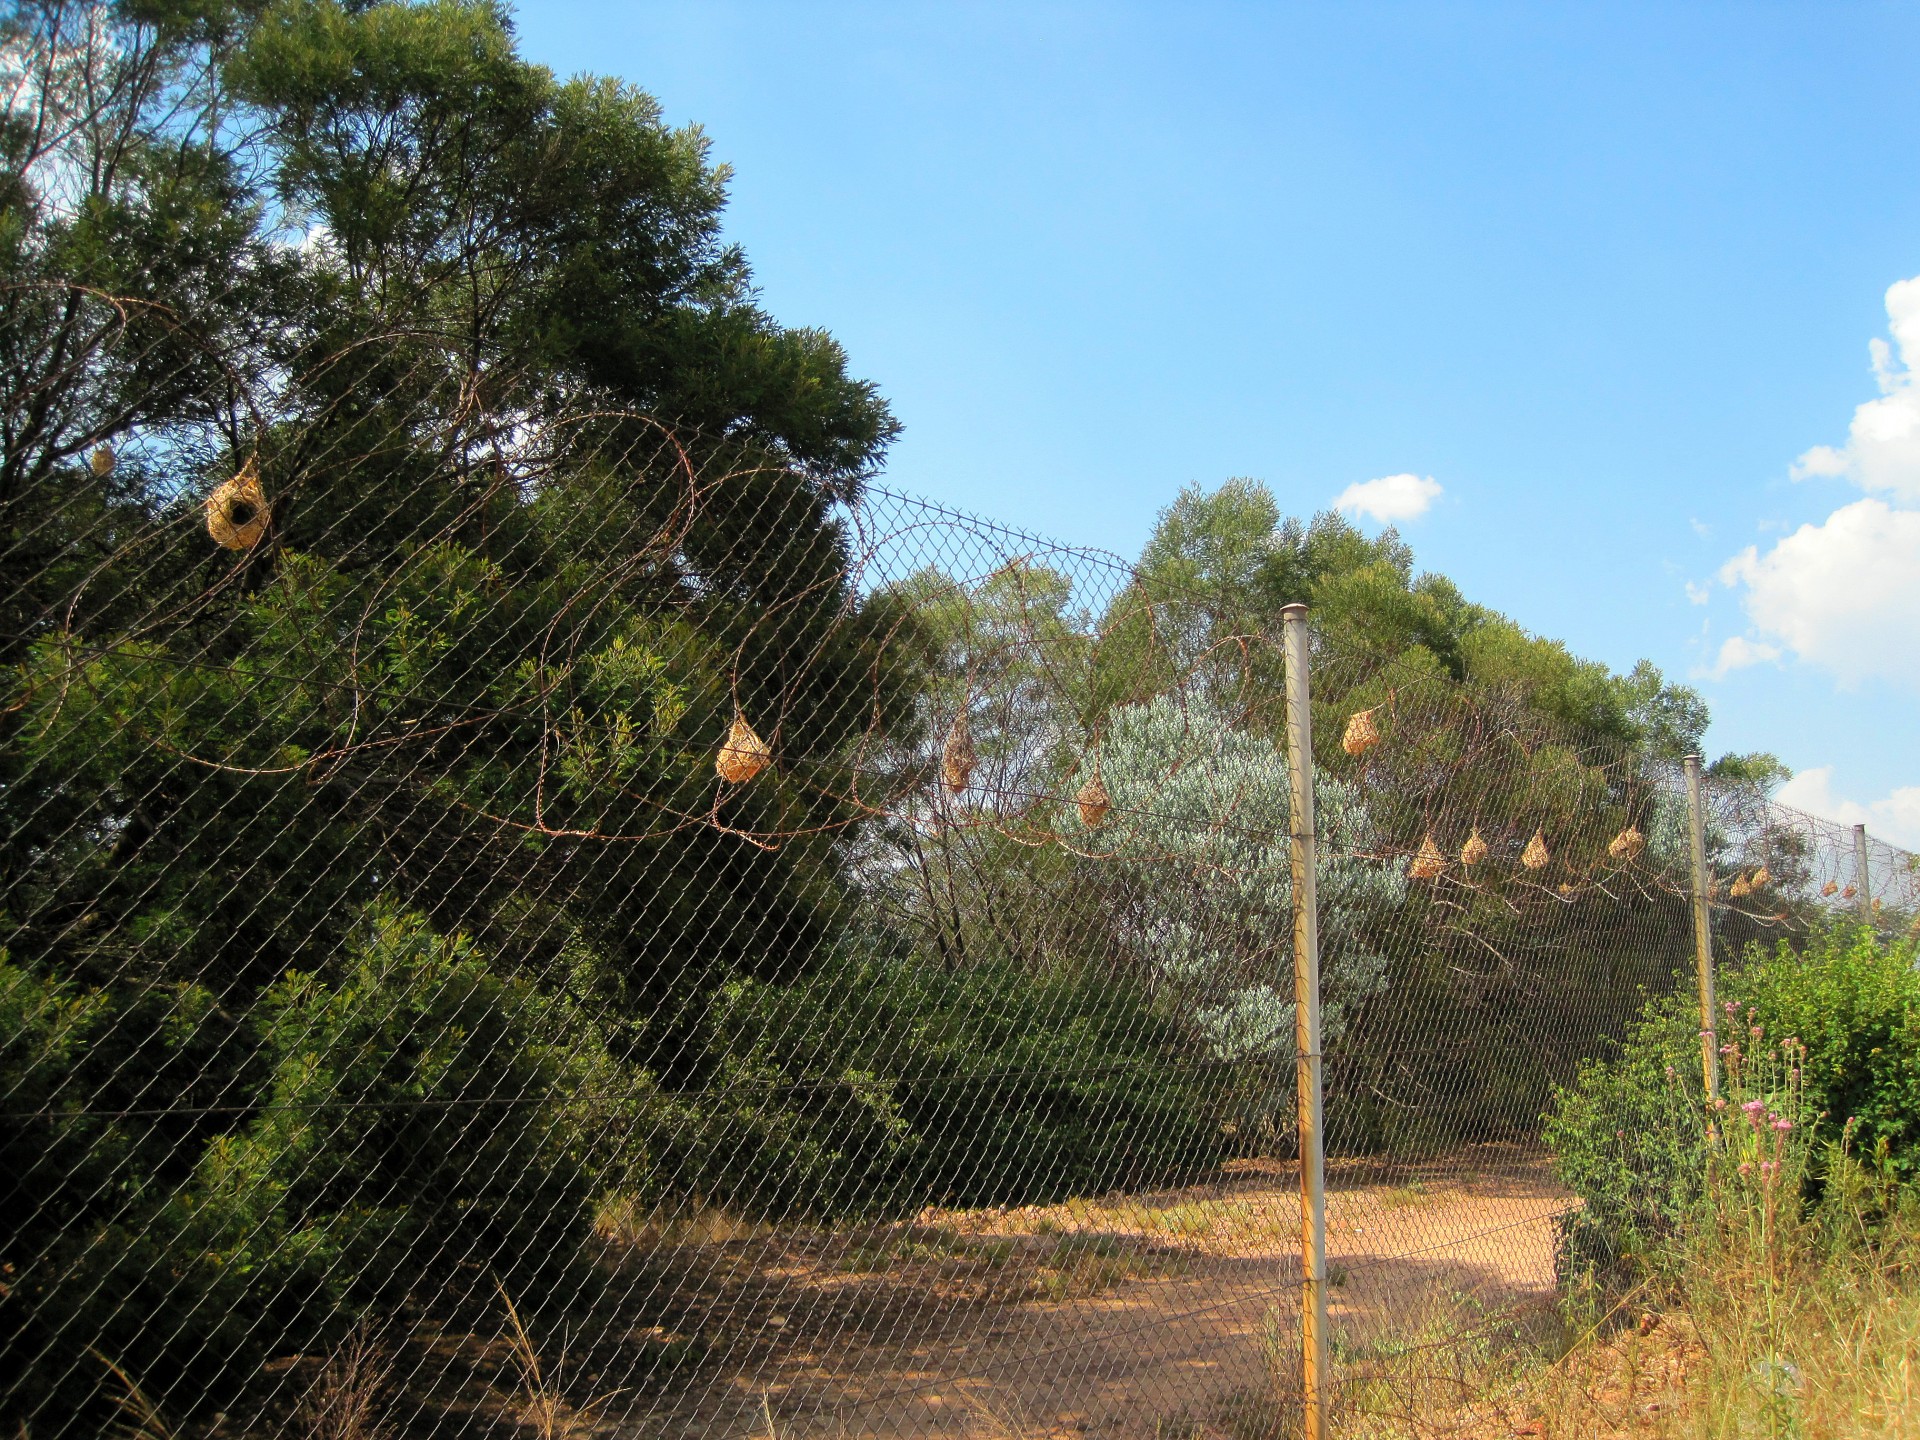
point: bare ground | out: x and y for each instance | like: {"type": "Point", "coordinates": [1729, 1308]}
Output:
{"type": "Point", "coordinates": [1164, 1316]}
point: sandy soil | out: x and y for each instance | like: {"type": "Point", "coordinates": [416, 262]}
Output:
{"type": "Point", "coordinates": [1165, 1316]}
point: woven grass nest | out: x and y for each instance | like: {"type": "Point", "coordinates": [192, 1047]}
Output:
{"type": "Point", "coordinates": [1475, 850]}
{"type": "Point", "coordinates": [1627, 844]}
{"type": "Point", "coordinates": [1535, 856]}
{"type": "Point", "coordinates": [1428, 861]}
{"type": "Point", "coordinates": [102, 462]}
{"type": "Point", "coordinates": [743, 755]}
{"type": "Point", "coordinates": [957, 755]}
{"type": "Point", "coordinates": [1094, 803]}
{"type": "Point", "coordinates": [1361, 734]}
{"type": "Point", "coordinates": [237, 512]}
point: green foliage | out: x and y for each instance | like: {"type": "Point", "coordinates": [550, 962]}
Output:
{"type": "Point", "coordinates": [1628, 1138]}
{"type": "Point", "coordinates": [1200, 831]}
{"type": "Point", "coordinates": [1853, 1003]}
{"type": "Point", "coordinates": [318, 857]}
{"type": "Point", "coordinates": [1834, 1022]}
{"type": "Point", "coordinates": [984, 1085]}
{"type": "Point", "coordinates": [416, 1107]}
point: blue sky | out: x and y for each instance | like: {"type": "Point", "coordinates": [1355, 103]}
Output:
{"type": "Point", "coordinates": [1605, 275]}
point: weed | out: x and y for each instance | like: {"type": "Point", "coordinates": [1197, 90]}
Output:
{"type": "Point", "coordinates": [140, 1418]}
{"type": "Point", "coordinates": [1414, 1192]}
{"type": "Point", "coordinates": [344, 1403]}
{"type": "Point", "coordinates": [543, 1406]}
{"type": "Point", "coordinates": [622, 1220]}
{"type": "Point", "coordinates": [1180, 1425]}
{"type": "Point", "coordinates": [1259, 1415]}
{"type": "Point", "coordinates": [1079, 1266]}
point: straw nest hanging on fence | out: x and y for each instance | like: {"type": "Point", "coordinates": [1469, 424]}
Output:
{"type": "Point", "coordinates": [1761, 877]}
{"type": "Point", "coordinates": [957, 756]}
{"type": "Point", "coordinates": [1535, 856]}
{"type": "Point", "coordinates": [1094, 803]}
{"type": "Point", "coordinates": [237, 509]}
{"type": "Point", "coordinates": [743, 755]}
{"type": "Point", "coordinates": [1848, 893]}
{"type": "Point", "coordinates": [1475, 850]}
{"type": "Point", "coordinates": [1428, 861]}
{"type": "Point", "coordinates": [1362, 734]}
{"type": "Point", "coordinates": [1566, 887]}
{"type": "Point", "coordinates": [1832, 887]}
{"type": "Point", "coordinates": [102, 462]}
{"type": "Point", "coordinates": [1627, 844]}
{"type": "Point", "coordinates": [1741, 888]}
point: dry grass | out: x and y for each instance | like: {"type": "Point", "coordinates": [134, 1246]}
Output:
{"type": "Point", "coordinates": [345, 1403]}
{"type": "Point", "coordinates": [140, 1418]}
{"type": "Point", "coordinates": [621, 1220]}
{"type": "Point", "coordinates": [542, 1403]}
{"type": "Point", "coordinates": [1823, 1344]}
{"type": "Point", "coordinates": [1414, 1192]}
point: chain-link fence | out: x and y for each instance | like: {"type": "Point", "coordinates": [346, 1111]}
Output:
{"type": "Point", "coordinates": [563, 928]}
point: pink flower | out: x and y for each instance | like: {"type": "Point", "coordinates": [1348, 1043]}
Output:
{"type": "Point", "coordinates": [1767, 1167]}
{"type": "Point", "coordinates": [1730, 1007]}
{"type": "Point", "coordinates": [1782, 1124]}
{"type": "Point", "coordinates": [1754, 1107]}
{"type": "Point", "coordinates": [1719, 1102]}
{"type": "Point", "coordinates": [1746, 1167]}
{"type": "Point", "coordinates": [1755, 1032]}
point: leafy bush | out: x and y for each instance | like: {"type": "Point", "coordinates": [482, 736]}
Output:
{"type": "Point", "coordinates": [1202, 831]}
{"type": "Point", "coordinates": [910, 1084]}
{"type": "Point", "coordinates": [1854, 1003]}
{"type": "Point", "coordinates": [1838, 1017]}
{"type": "Point", "coordinates": [413, 1109]}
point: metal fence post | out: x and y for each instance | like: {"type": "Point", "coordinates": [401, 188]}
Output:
{"type": "Point", "coordinates": [1862, 878]}
{"type": "Point", "coordinates": [1306, 996]}
{"type": "Point", "coordinates": [1702, 928]}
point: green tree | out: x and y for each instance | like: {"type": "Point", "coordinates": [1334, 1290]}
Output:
{"type": "Point", "coordinates": [1199, 835]}
{"type": "Point", "coordinates": [546, 499]}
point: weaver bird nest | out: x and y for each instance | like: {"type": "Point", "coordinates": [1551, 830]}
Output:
{"type": "Point", "coordinates": [237, 512]}
{"type": "Point", "coordinates": [957, 755]}
{"type": "Point", "coordinates": [744, 755]}
{"type": "Point", "coordinates": [1428, 862]}
{"type": "Point", "coordinates": [1362, 734]}
{"type": "Point", "coordinates": [1535, 856]}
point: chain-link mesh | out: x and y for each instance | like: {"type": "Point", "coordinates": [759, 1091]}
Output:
{"type": "Point", "coordinates": [520, 918]}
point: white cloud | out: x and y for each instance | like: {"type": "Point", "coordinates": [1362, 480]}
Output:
{"type": "Point", "coordinates": [1390, 498]}
{"type": "Point", "coordinates": [1882, 453]}
{"type": "Point", "coordinates": [1895, 817]}
{"type": "Point", "coordinates": [1699, 594]}
{"type": "Point", "coordinates": [1737, 652]}
{"type": "Point", "coordinates": [1843, 594]}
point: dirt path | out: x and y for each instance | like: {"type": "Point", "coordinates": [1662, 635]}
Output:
{"type": "Point", "coordinates": [1148, 1316]}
